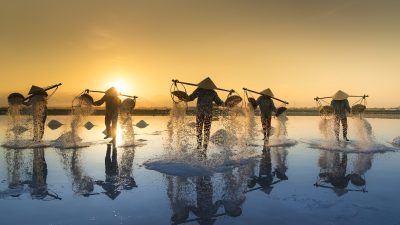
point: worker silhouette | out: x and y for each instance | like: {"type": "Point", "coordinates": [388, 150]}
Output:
{"type": "Point", "coordinates": [205, 95]}
{"type": "Point", "coordinates": [362, 164]}
{"type": "Point", "coordinates": [341, 106]}
{"type": "Point", "coordinates": [39, 174]}
{"type": "Point", "coordinates": [111, 183]}
{"type": "Point", "coordinates": [333, 171]}
{"type": "Point", "coordinates": [112, 108]}
{"type": "Point", "coordinates": [267, 107]}
{"type": "Point", "coordinates": [206, 209]}
{"type": "Point", "coordinates": [265, 176]}
{"type": "Point", "coordinates": [38, 102]}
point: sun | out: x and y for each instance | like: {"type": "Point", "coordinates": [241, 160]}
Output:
{"type": "Point", "coordinates": [119, 85]}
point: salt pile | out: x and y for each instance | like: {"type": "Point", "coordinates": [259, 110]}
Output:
{"type": "Point", "coordinates": [88, 125]}
{"type": "Point", "coordinates": [396, 141]}
{"type": "Point", "coordinates": [142, 124]}
{"type": "Point", "coordinates": [54, 124]}
{"type": "Point", "coordinates": [222, 138]}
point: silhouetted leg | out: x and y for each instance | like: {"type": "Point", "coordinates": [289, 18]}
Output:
{"type": "Point", "coordinates": [207, 129]}
{"type": "Point", "coordinates": [264, 127]}
{"type": "Point", "coordinates": [337, 127]}
{"type": "Point", "coordinates": [41, 127]}
{"type": "Point", "coordinates": [344, 125]}
{"type": "Point", "coordinates": [199, 129]}
{"type": "Point", "coordinates": [114, 126]}
{"type": "Point", "coordinates": [35, 128]}
{"type": "Point", "coordinates": [107, 122]}
{"type": "Point", "coordinates": [268, 124]}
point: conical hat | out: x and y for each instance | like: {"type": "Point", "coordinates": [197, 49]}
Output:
{"type": "Point", "coordinates": [112, 91]}
{"type": "Point", "coordinates": [34, 89]}
{"type": "Point", "coordinates": [267, 92]}
{"type": "Point", "coordinates": [207, 84]}
{"type": "Point", "coordinates": [340, 95]}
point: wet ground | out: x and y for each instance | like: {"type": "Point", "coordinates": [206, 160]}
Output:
{"type": "Point", "coordinates": [297, 184]}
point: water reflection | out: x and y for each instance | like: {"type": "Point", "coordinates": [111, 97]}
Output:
{"type": "Point", "coordinates": [205, 199]}
{"type": "Point", "coordinates": [27, 173]}
{"type": "Point", "coordinates": [117, 179]}
{"type": "Point", "coordinates": [336, 175]}
{"type": "Point", "coordinates": [82, 184]}
{"type": "Point", "coordinates": [267, 176]}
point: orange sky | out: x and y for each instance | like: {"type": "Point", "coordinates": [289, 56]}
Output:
{"type": "Point", "coordinates": [299, 48]}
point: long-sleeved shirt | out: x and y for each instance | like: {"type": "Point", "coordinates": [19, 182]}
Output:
{"type": "Point", "coordinates": [341, 107]}
{"type": "Point", "coordinates": [112, 103]}
{"type": "Point", "coordinates": [205, 100]}
{"type": "Point", "coordinates": [267, 106]}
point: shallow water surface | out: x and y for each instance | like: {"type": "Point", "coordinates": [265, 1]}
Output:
{"type": "Point", "coordinates": [296, 183]}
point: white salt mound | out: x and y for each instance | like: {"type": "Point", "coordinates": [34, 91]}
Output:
{"type": "Point", "coordinates": [54, 124]}
{"type": "Point", "coordinates": [68, 138]}
{"type": "Point", "coordinates": [89, 125]}
{"type": "Point", "coordinates": [396, 141]}
{"type": "Point", "coordinates": [142, 124]}
{"type": "Point", "coordinates": [19, 130]}
{"type": "Point", "coordinates": [223, 137]}
{"type": "Point", "coordinates": [178, 168]}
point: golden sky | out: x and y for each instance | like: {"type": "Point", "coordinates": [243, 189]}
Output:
{"type": "Point", "coordinates": [299, 48]}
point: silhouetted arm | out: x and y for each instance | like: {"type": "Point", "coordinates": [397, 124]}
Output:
{"type": "Point", "coordinates": [258, 101]}
{"type": "Point", "coordinates": [218, 100]}
{"type": "Point", "coordinates": [347, 106]}
{"type": "Point", "coordinates": [273, 106]}
{"type": "Point", "coordinates": [100, 102]}
{"type": "Point", "coordinates": [193, 96]}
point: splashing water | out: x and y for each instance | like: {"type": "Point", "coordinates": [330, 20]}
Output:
{"type": "Point", "coordinates": [17, 125]}
{"type": "Point", "coordinates": [127, 131]}
{"type": "Point", "coordinates": [279, 136]}
{"type": "Point", "coordinates": [250, 122]}
{"type": "Point", "coordinates": [82, 184]}
{"type": "Point", "coordinates": [237, 132]}
{"type": "Point", "coordinates": [39, 113]}
{"type": "Point", "coordinates": [364, 132]}
{"type": "Point", "coordinates": [280, 131]}
{"type": "Point", "coordinates": [179, 133]}
{"type": "Point", "coordinates": [70, 137]}
{"type": "Point", "coordinates": [326, 128]}
{"type": "Point", "coordinates": [396, 141]}
{"type": "Point", "coordinates": [18, 162]}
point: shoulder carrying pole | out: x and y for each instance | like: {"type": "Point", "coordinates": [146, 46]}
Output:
{"type": "Point", "coordinates": [220, 89]}
{"type": "Point", "coordinates": [351, 96]}
{"type": "Point", "coordinates": [103, 92]}
{"type": "Point", "coordinates": [45, 89]}
{"type": "Point", "coordinates": [280, 100]}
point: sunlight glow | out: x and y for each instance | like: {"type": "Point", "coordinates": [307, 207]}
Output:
{"type": "Point", "coordinates": [119, 85]}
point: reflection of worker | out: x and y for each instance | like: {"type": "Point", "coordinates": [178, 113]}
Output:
{"type": "Point", "coordinates": [279, 155]}
{"type": "Point", "coordinates": [111, 183]}
{"type": "Point", "coordinates": [206, 96]}
{"type": "Point", "coordinates": [205, 209]}
{"type": "Point", "coordinates": [117, 178]}
{"type": "Point", "coordinates": [233, 197]}
{"type": "Point", "coordinates": [178, 196]}
{"type": "Point", "coordinates": [38, 101]}
{"type": "Point", "coordinates": [81, 183]}
{"type": "Point", "coordinates": [362, 164]}
{"type": "Point", "coordinates": [112, 105]}
{"type": "Point", "coordinates": [341, 106]}
{"type": "Point", "coordinates": [333, 171]}
{"type": "Point", "coordinates": [266, 107]}
{"type": "Point", "coordinates": [39, 175]}
{"type": "Point", "coordinates": [265, 177]}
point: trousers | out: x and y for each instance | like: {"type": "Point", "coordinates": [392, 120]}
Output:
{"type": "Point", "coordinates": [203, 122]}
{"type": "Point", "coordinates": [342, 120]}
